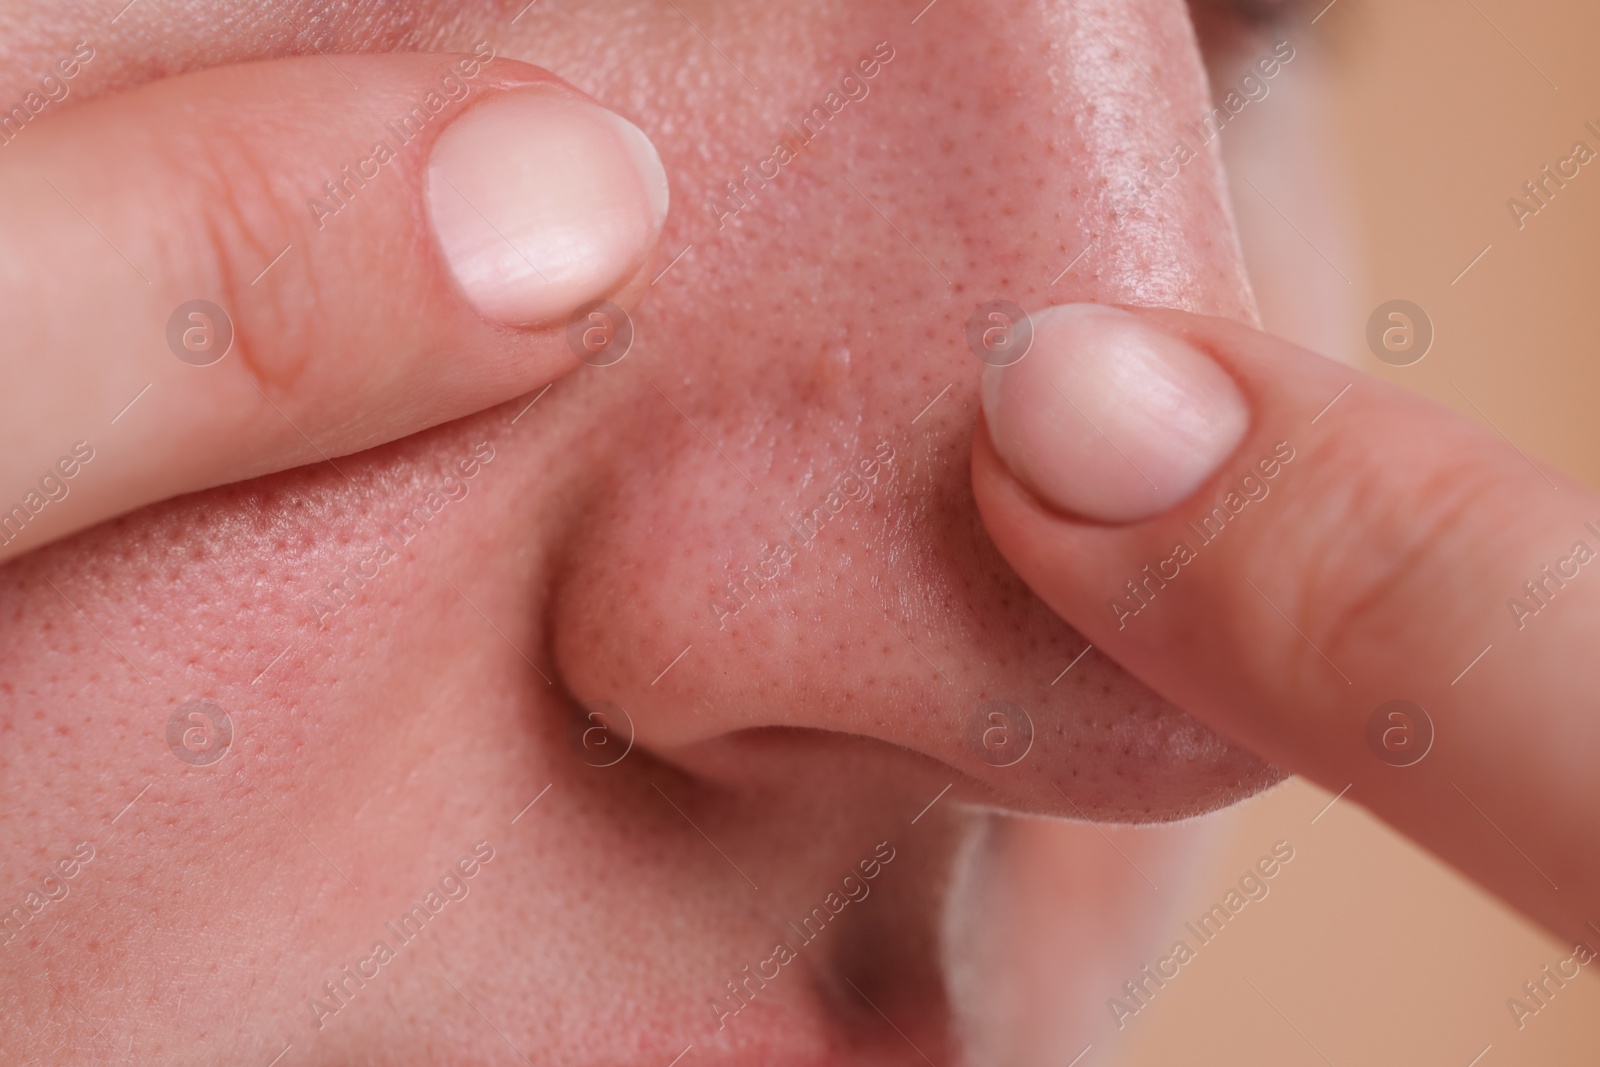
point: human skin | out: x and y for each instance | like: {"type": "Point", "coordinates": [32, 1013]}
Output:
{"type": "Point", "coordinates": [376, 745]}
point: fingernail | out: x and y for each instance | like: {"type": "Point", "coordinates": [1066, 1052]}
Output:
{"type": "Point", "coordinates": [542, 203]}
{"type": "Point", "coordinates": [1110, 418]}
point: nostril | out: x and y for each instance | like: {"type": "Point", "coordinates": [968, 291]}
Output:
{"type": "Point", "coordinates": [859, 599]}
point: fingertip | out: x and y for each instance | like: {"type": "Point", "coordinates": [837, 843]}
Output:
{"type": "Point", "coordinates": [542, 202]}
{"type": "Point", "coordinates": [1110, 418]}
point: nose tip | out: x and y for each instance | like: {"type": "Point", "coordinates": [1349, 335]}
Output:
{"type": "Point", "coordinates": [923, 648]}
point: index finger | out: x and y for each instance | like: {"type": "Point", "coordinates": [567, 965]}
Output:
{"type": "Point", "coordinates": [255, 267]}
{"type": "Point", "coordinates": [1356, 583]}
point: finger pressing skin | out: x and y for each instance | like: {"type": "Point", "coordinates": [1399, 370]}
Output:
{"type": "Point", "coordinates": [1358, 584]}
{"type": "Point", "coordinates": [255, 267]}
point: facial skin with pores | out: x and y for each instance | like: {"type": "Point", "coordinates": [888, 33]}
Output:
{"type": "Point", "coordinates": [375, 745]}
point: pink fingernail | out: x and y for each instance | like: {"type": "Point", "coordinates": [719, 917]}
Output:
{"type": "Point", "coordinates": [542, 202]}
{"type": "Point", "coordinates": [1108, 417]}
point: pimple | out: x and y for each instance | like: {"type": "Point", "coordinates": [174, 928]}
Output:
{"type": "Point", "coordinates": [832, 366]}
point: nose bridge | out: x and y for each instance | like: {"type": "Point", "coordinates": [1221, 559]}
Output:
{"type": "Point", "coordinates": [1002, 140]}
{"type": "Point", "coordinates": [1048, 151]}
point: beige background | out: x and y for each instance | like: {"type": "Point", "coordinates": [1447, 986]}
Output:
{"type": "Point", "coordinates": [1373, 953]}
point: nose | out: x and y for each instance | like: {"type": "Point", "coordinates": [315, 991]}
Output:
{"type": "Point", "coordinates": [787, 538]}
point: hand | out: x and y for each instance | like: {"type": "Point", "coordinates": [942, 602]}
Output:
{"type": "Point", "coordinates": [189, 268]}
{"type": "Point", "coordinates": [1282, 546]}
